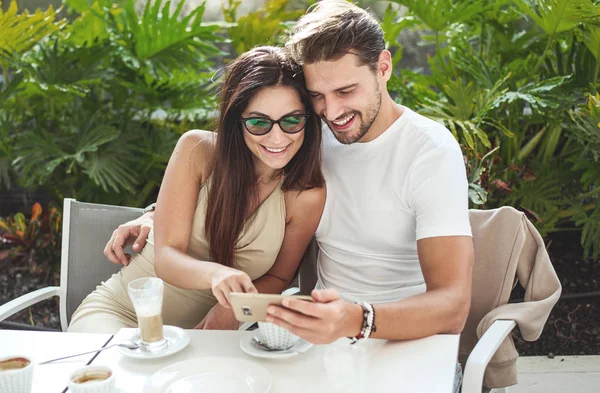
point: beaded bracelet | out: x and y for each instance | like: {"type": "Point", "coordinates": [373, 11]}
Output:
{"type": "Point", "coordinates": [368, 324]}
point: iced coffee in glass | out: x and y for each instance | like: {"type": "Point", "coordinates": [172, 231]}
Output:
{"type": "Point", "coordinates": [147, 297]}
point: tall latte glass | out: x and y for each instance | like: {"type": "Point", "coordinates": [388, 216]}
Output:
{"type": "Point", "coordinates": [147, 297]}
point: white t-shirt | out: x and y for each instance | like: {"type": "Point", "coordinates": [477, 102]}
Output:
{"type": "Point", "coordinates": [382, 196]}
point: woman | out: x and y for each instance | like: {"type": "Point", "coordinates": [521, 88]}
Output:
{"type": "Point", "coordinates": [236, 209]}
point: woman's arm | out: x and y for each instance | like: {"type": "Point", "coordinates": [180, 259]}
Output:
{"type": "Point", "coordinates": [303, 211]}
{"type": "Point", "coordinates": [176, 205]}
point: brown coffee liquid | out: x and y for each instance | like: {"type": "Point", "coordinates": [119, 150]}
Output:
{"type": "Point", "coordinates": [14, 364]}
{"type": "Point", "coordinates": [151, 328]}
{"type": "Point", "coordinates": [91, 377]}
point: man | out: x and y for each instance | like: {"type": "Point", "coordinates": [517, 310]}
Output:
{"type": "Point", "coordinates": [394, 235]}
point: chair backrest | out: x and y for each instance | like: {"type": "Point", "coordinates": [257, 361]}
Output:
{"type": "Point", "coordinates": [87, 227]}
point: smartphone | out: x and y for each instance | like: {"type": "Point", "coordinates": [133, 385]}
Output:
{"type": "Point", "coordinates": [252, 307]}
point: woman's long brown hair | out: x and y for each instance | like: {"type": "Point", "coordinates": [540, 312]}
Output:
{"type": "Point", "coordinates": [233, 184]}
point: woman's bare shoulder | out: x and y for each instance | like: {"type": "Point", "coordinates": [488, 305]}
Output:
{"type": "Point", "coordinates": [200, 145]}
{"type": "Point", "coordinates": [306, 202]}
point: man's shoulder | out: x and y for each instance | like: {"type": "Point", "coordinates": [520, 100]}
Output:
{"type": "Point", "coordinates": [425, 134]}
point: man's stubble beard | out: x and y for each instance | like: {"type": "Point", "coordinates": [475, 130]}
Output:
{"type": "Point", "coordinates": [365, 124]}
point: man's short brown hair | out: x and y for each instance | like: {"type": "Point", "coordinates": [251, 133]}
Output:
{"type": "Point", "coordinates": [331, 29]}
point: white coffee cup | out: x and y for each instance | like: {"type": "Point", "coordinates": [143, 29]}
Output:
{"type": "Point", "coordinates": [92, 379]}
{"type": "Point", "coordinates": [276, 337]}
{"type": "Point", "coordinates": [16, 374]}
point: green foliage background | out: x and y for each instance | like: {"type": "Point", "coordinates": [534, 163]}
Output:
{"type": "Point", "coordinates": [91, 107]}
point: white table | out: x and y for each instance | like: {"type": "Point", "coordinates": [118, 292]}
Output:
{"type": "Point", "coordinates": [426, 365]}
{"type": "Point", "coordinates": [41, 346]}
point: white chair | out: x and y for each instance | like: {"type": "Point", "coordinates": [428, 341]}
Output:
{"type": "Point", "coordinates": [86, 229]}
{"type": "Point", "coordinates": [508, 250]}
{"type": "Point", "coordinates": [490, 229]}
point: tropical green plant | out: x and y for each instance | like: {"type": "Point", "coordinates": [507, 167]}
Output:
{"type": "Point", "coordinates": [20, 32]}
{"type": "Point", "coordinates": [94, 109]}
{"type": "Point", "coordinates": [510, 80]}
{"type": "Point", "coordinates": [266, 26]}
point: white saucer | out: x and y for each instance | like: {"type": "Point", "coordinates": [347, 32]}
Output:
{"type": "Point", "coordinates": [177, 339]}
{"type": "Point", "coordinates": [251, 348]}
{"type": "Point", "coordinates": [210, 375]}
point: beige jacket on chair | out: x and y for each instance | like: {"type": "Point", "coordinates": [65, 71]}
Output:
{"type": "Point", "coordinates": [507, 248]}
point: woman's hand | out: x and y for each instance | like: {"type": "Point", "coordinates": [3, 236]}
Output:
{"type": "Point", "coordinates": [219, 318]}
{"type": "Point", "coordinates": [228, 280]}
{"type": "Point", "coordinates": [135, 231]}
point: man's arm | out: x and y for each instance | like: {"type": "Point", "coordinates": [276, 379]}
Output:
{"type": "Point", "coordinates": [446, 263]}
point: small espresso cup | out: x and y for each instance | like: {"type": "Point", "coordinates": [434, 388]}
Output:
{"type": "Point", "coordinates": [147, 297]}
{"type": "Point", "coordinates": [16, 374]}
{"type": "Point", "coordinates": [92, 379]}
{"type": "Point", "coordinates": [276, 337]}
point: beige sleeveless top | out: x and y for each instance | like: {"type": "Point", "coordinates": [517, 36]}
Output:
{"type": "Point", "coordinates": [260, 240]}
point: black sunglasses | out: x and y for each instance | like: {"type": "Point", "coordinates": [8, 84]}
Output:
{"type": "Point", "coordinates": [290, 124]}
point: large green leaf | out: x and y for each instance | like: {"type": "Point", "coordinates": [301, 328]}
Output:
{"type": "Point", "coordinates": [540, 95]}
{"type": "Point", "coordinates": [558, 16]}
{"type": "Point", "coordinates": [392, 26]}
{"type": "Point", "coordinates": [266, 26]}
{"type": "Point", "coordinates": [438, 15]}
{"type": "Point", "coordinates": [591, 38]}
{"type": "Point", "coordinates": [91, 25]}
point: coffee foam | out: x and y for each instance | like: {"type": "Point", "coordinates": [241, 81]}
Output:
{"type": "Point", "coordinates": [148, 310]}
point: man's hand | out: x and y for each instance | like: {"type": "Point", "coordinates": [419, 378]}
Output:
{"type": "Point", "coordinates": [135, 232]}
{"type": "Point", "coordinates": [219, 318]}
{"type": "Point", "coordinates": [321, 322]}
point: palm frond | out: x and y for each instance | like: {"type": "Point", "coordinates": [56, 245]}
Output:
{"type": "Point", "coordinates": [111, 168]}
{"type": "Point", "coordinates": [587, 131]}
{"type": "Point", "coordinates": [87, 143]}
{"type": "Point", "coordinates": [22, 31]}
{"type": "Point", "coordinates": [56, 69]}
{"type": "Point", "coordinates": [541, 196]}
{"type": "Point", "coordinates": [590, 234]}
{"type": "Point", "coordinates": [159, 40]}
{"type": "Point", "coordinates": [180, 91]}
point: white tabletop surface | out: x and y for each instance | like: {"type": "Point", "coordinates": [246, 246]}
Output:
{"type": "Point", "coordinates": [41, 346]}
{"type": "Point", "coordinates": [426, 365]}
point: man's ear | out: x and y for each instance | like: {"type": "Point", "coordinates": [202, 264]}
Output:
{"type": "Point", "coordinates": [384, 65]}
